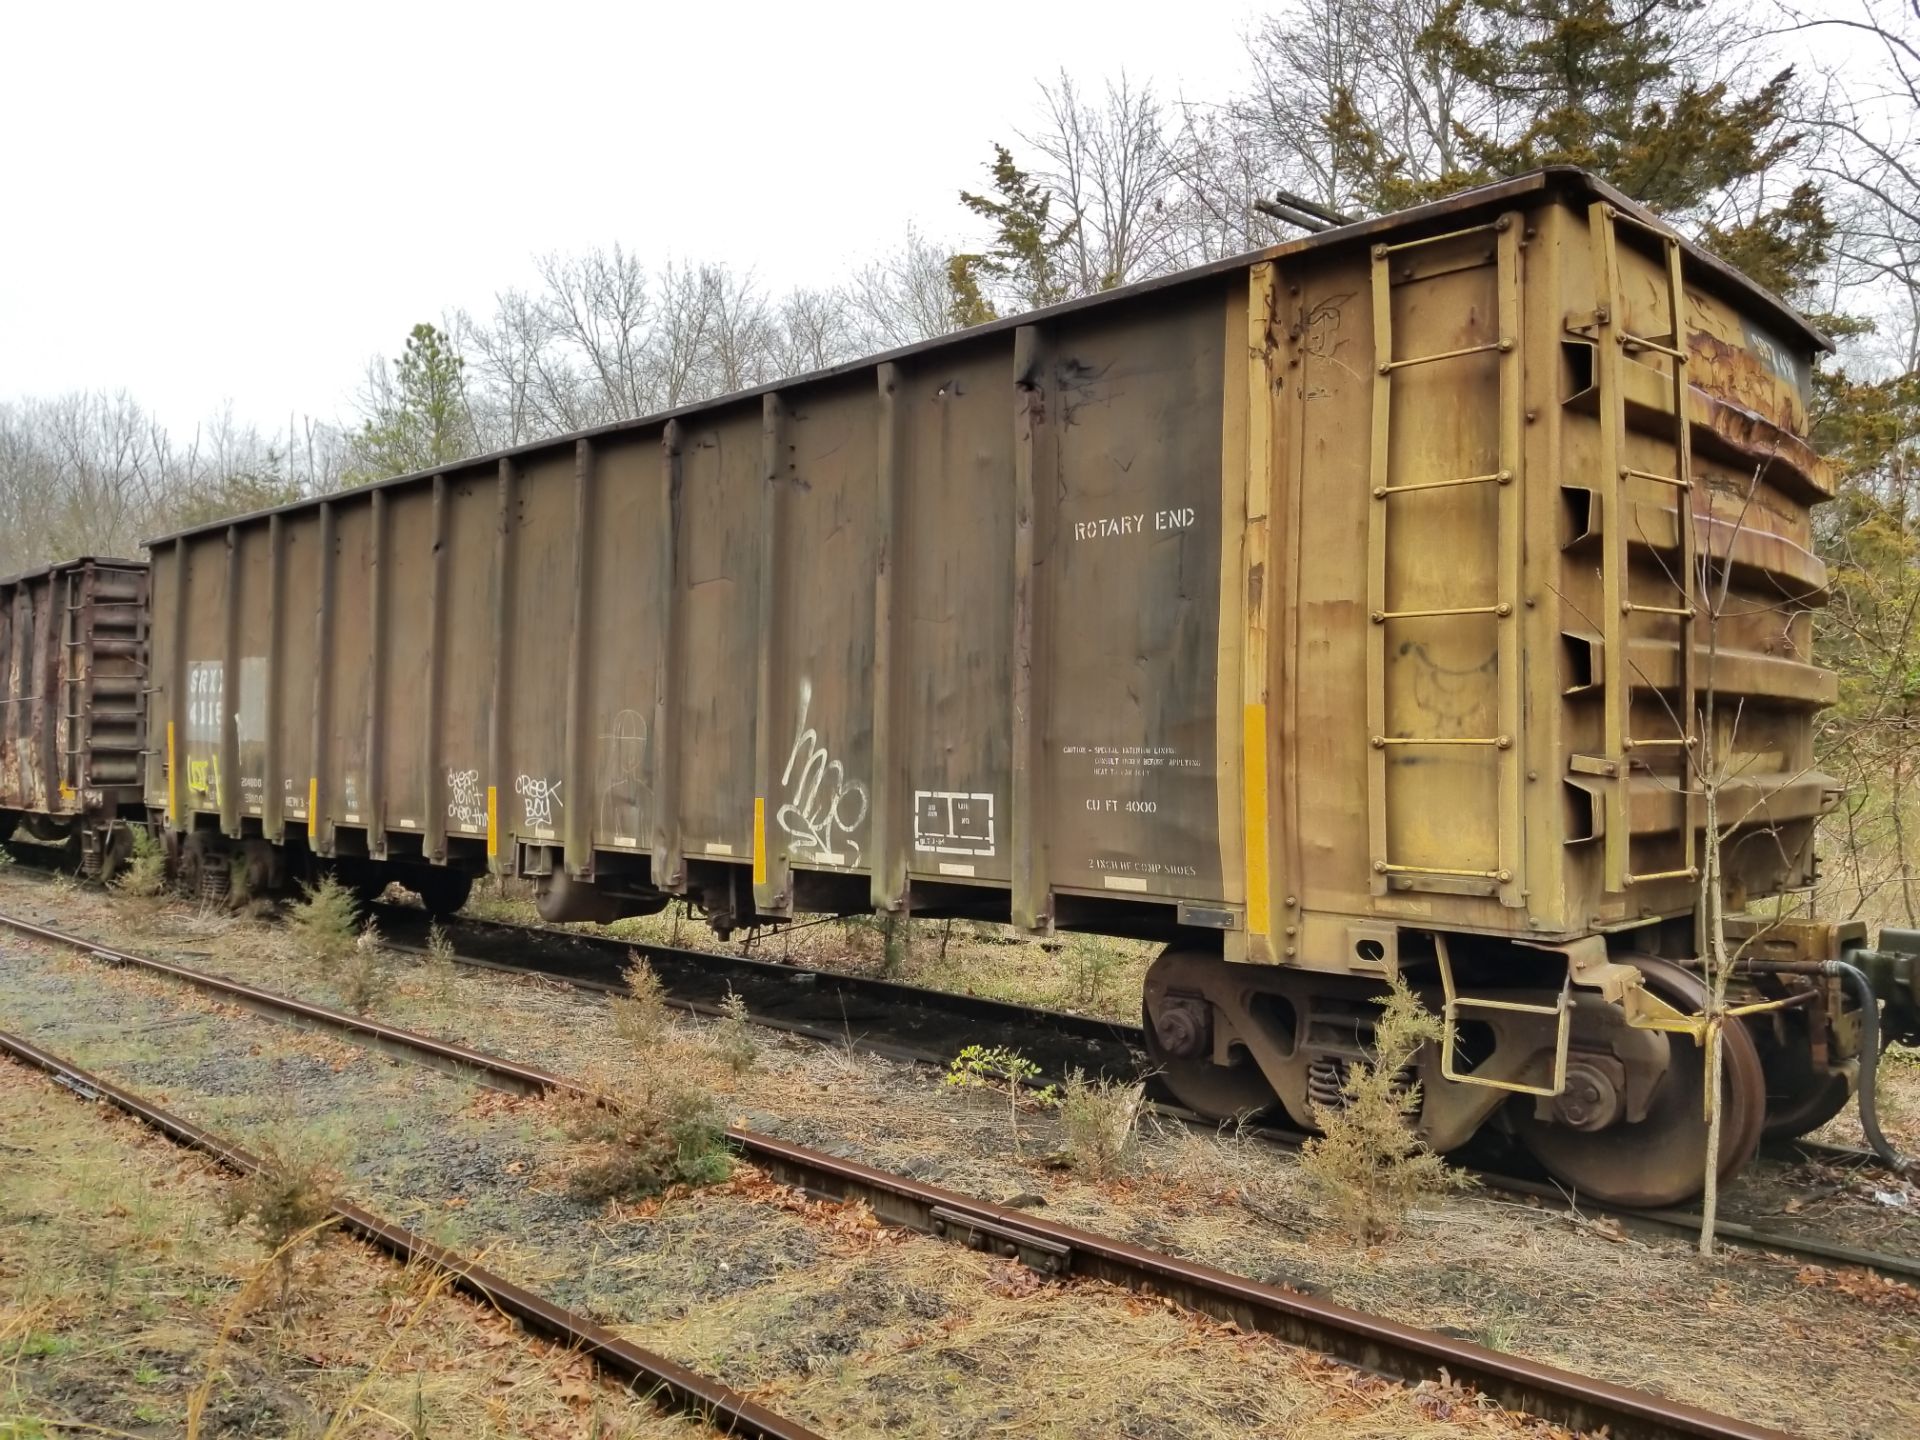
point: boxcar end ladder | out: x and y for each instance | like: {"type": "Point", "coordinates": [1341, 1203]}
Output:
{"type": "Point", "coordinates": [1388, 870]}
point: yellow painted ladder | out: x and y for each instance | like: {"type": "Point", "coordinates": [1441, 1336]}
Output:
{"type": "Point", "coordinates": [1387, 869]}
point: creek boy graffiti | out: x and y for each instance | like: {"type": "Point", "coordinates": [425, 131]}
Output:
{"type": "Point", "coordinates": [822, 803]}
{"type": "Point", "coordinates": [539, 795]}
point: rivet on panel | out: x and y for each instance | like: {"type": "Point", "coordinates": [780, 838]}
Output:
{"type": "Point", "coordinates": [1289, 950]}
{"type": "Point", "coordinates": [1292, 901]}
{"type": "Point", "coordinates": [1293, 929]}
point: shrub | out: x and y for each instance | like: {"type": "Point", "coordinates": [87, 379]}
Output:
{"type": "Point", "coordinates": [733, 1037]}
{"type": "Point", "coordinates": [1099, 1119]}
{"type": "Point", "coordinates": [641, 1017]}
{"type": "Point", "coordinates": [366, 980]}
{"type": "Point", "coordinates": [325, 924]}
{"type": "Point", "coordinates": [439, 964]}
{"type": "Point", "coordinates": [1369, 1166]}
{"type": "Point", "coordinates": [288, 1200]}
{"type": "Point", "coordinates": [1091, 967]}
{"type": "Point", "coordinates": [674, 1134]}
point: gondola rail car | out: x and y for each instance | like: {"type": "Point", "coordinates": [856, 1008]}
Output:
{"type": "Point", "coordinates": [1348, 609]}
{"type": "Point", "coordinates": [73, 647]}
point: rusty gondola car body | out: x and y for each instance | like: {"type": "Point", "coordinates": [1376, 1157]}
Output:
{"type": "Point", "coordinates": [1339, 611]}
{"type": "Point", "coordinates": [72, 706]}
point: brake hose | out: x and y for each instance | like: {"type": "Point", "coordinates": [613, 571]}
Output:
{"type": "Point", "coordinates": [1869, 1058]}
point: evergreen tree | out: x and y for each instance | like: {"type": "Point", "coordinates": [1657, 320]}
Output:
{"type": "Point", "coordinates": [417, 414]}
{"type": "Point", "coordinates": [1025, 253]}
{"type": "Point", "coordinates": [1608, 85]}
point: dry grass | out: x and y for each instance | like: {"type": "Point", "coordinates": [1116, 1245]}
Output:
{"type": "Point", "coordinates": [118, 1283]}
{"type": "Point", "coordinates": [915, 1340]}
{"type": "Point", "coordinates": [1540, 1280]}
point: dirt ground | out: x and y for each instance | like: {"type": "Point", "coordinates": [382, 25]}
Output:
{"type": "Point", "coordinates": [1810, 1351]}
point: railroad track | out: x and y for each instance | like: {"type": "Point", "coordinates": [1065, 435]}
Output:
{"type": "Point", "coordinates": [908, 1022]}
{"type": "Point", "coordinates": [1579, 1403]}
{"type": "Point", "coordinates": [651, 1374]}
{"type": "Point", "coordinates": [922, 1026]}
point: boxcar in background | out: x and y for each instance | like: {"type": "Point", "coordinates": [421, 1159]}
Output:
{"type": "Point", "coordinates": [73, 646]}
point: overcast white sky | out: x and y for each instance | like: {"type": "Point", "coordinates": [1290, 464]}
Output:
{"type": "Point", "coordinates": [211, 203]}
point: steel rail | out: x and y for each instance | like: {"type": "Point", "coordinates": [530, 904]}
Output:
{"type": "Point", "coordinates": [718, 1404]}
{"type": "Point", "coordinates": [1370, 1342]}
{"type": "Point", "coordinates": [1094, 1031]}
{"type": "Point", "coordinates": [1080, 1027]}
{"type": "Point", "coordinates": [500, 1073]}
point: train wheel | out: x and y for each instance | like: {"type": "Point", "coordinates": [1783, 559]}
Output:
{"type": "Point", "coordinates": [1800, 1096]}
{"type": "Point", "coordinates": [442, 890]}
{"type": "Point", "coordinates": [1659, 1160]}
{"type": "Point", "coordinates": [116, 848]}
{"type": "Point", "coordinates": [205, 873]}
{"type": "Point", "coordinates": [1180, 1047]}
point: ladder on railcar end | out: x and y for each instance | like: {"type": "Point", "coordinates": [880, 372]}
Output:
{"type": "Point", "coordinates": [1387, 870]}
{"type": "Point", "coordinates": [1614, 346]}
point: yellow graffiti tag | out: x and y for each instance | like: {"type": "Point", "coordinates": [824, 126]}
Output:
{"type": "Point", "coordinates": [203, 778]}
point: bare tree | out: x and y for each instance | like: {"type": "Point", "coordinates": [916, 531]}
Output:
{"type": "Point", "coordinates": [814, 330]}
{"type": "Point", "coordinates": [901, 298]}
{"type": "Point", "coordinates": [1112, 167]}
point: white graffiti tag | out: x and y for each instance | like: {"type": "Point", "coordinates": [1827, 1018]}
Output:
{"type": "Point", "coordinates": [465, 805]}
{"type": "Point", "coordinates": [818, 807]}
{"type": "Point", "coordinates": [539, 795]}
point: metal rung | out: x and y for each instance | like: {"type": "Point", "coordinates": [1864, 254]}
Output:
{"type": "Point", "coordinates": [1385, 250]}
{"type": "Point", "coordinates": [1561, 1011]}
{"type": "Point", "coordinates": [1672, 480]}
{"type": "Point", "coordinates": [1646, 227]}
{"type": "Point", "coordinates": [1499, 742]}
{"type": "Point", "coordinates": [1641, 342]}
{"type": "Point", "coordinates": [1497, 477]}
{"type": "Point", "coordinates": [1502, 608]}
{"type": "Point", "coordinates": [1633, 744]}
{"type": "Point", "coordinates": [1690, 873]}
{"type": "Point", "coordinates": [1630, 607]}
{"type": "Point", "coordinates": [1387, 867]}
{"type": "Point", "coordinates": [1388, 366]}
